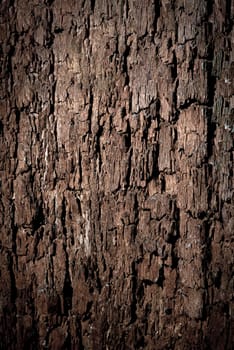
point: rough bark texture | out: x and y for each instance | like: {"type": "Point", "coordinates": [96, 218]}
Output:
{"type": "Point", "coordinates": [116, 168]}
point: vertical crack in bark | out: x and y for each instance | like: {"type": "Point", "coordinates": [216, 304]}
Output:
{"type": "Point", "coordinates": [157, 6]}
{"type": "Point", "coordinates": [134, 294]}
{"type": "Point", "coordinates": [92, 3]}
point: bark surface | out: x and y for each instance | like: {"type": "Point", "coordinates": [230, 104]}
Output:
{"type": "Point", "coordinates": [116, 164]}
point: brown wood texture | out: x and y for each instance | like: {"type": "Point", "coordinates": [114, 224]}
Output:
{"type": "Point", "coordinates": [116, 165]}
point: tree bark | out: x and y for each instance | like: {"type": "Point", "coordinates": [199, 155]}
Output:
{"type": "Point", "coordinates": [116, 149]}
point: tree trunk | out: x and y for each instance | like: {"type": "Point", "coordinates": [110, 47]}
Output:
{"type": "Point", "coordinates": [116, 174]}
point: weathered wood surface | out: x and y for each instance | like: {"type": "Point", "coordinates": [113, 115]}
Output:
{"type": "Point", "coordinates": [116, 172]}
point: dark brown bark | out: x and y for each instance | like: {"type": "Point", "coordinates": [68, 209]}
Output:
{"type": "Point", "coordinates": [116, 174]}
